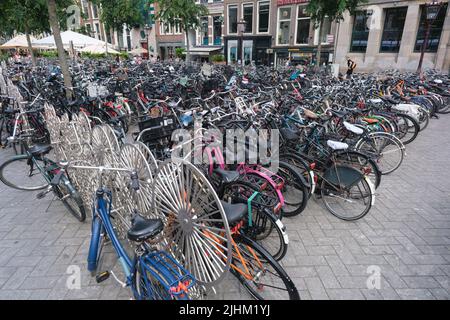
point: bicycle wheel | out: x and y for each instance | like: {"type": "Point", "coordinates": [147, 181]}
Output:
{"type": "Point", "coordinates": [262, 276]}
{"type": "Point", "coordinates": [294, 190]}
{"type": "Point", "coordinates": [265, 227]}
{"type": "Point", "coordinates": [70, 198]}
{"type": "Point", "coordinates": [196, 231]}
{"type": "Point", "coordinates": [386, 150]}
{"type": "Point", "coordinates": [407, 128]}
{"type": "Point", "coordinates": [346, 193]}
{"type": "Point", "coordinates": [303, 168]}
{"type": "Point", "coordinates": [23, 173]}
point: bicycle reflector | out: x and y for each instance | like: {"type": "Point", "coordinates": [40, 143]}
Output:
{"type": "Point", "coordinates": [312, 166]}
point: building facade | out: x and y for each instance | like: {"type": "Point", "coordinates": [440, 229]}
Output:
{"type": "Point", "coordinates": [274, 31]}
{"type": "Point", "coordinates": [389, 35]}
{"type": "Point", "coordinates": [125, 39]}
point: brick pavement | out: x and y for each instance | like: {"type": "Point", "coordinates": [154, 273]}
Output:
{"type": "Point", "coordinates": [406, 236]}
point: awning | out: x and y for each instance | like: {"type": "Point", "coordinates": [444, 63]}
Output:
{"type": "Point", "coordinates": [18, 42]}
{"type": "Point", "coordinates": [203, 51]}
{"type": "Point", "coordinates": [79, 40]}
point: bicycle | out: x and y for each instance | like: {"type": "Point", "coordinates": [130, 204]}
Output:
{"type": "Point", "coordinates": [152, 274]}
{"type": "Point", "coordinates": [33, 171]}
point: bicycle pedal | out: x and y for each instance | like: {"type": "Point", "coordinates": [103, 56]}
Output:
{"type": "Point", "coordinates": [102, 276]}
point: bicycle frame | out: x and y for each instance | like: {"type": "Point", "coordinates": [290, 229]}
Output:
{"type": "Point", "coordinates": [101, 223]}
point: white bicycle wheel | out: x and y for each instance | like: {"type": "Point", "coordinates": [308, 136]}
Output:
{"type": "Point", "coordinates": [196, 227]}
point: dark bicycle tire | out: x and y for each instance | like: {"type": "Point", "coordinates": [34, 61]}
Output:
{"type": "Point", "coordinates": [242, 242]}
{"type": "Point", "coordinates": [411, 125]}
{"type": "Point", "coordinates": [71, 199]}
{"type": "Point", "coordinates": [25, 161]}
{"type": "Point", "coordinates": [293, 178]}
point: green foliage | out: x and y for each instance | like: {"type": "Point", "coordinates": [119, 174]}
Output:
{"type": "Point", "coordinates": [3, 56]}
{"type": "Point", "coordinates": [218, 58]}
{"type": "Point", "coordinates": [116, 13]}
{"type": "Point", "coordinates": [89, 55]}
{"type": "Point", "coordinates": [180, 53]}
{"type": "Point", "coordinates": [333, 9]}
{"type": "Point", "coordinates": [29, 16]}
{"type": "Point", "coordinates": [47, 54]}
{"type": "Point", "coordinates": [186, 13]}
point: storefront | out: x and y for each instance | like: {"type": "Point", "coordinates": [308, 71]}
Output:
{"type": "Point", "coordinates": [248, 49]}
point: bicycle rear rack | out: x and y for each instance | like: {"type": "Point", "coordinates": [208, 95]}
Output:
{"type": "Point", "coordinates": [163, 262]}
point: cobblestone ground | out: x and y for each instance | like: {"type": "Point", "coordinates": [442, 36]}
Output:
{"type": "Point", "coordinates": [406, 236]}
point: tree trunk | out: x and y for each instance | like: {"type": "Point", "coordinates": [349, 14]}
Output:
{"type": "Point", "coordinates": [319, 47]}
{"type": "Point", "coordinates": [188, 55]}
{"type": "Point", "coordinates": [54, 24]}
{"type": "Point", "coordinates": [30, 47]}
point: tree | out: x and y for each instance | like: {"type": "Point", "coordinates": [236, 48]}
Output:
{"type": "Point", "coordinates": [54, 24]}
{"type": "Point", "coordinates": [24, 16]}
{"type": "Point", "coordinates": [117, 13]}
{"type": "Point", "coordinates": [185, 13]}
{"type": "Point", "coordinates": [330, 9]}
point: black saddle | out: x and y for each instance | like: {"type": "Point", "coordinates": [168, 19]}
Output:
{"type": "Point", "coordinates": [234, 212]}
{"type": "Point", "coordinates": [143, 229]}
{"type": "Point", "coordinates": [40, 149]}
{"type": "Point", "coordinates": [226, 175]}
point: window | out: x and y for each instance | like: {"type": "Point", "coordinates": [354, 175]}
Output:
{"type": "Point", "coordinates": [394, 22]}
{"type": "Point", "coordinates": [303, 24]}
{"type": "Point", "coordinates": [128, 39]}
{"type": "Point", "coordinates": [248, 17]}
{"type": "Point", "coordinates": [247, 53]}
{"type": "Point", "coordinates": [232, 19]}
{"type": "Point", "coordinates": [360, 34]}
{"type": "Point", "coordinates": [88, 29]}
{"type": "Point", "coordinates": [95, 11]}
{"type": "Point", "coordinates": [86, 8]}
{"type": "Point", "coordinates": [284, 24]}
{"type": "Point", "coordinates": [97, 29]}
{"type": "Point", "coordinates": [232, 51]}
{"type": "Point", "coordinates": [217, 30]}
{"type": "Point", "coordinates": [263, 16]}
{"type": "Point", "coordinates": [435, 30]}
{"type": "Point", "coordinates": [204, 30]}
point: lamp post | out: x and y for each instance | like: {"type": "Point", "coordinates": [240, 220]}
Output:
{"type": "Point", "coordinates": [147, 31]}
{"type": "Point", "coordinates": [241, 28]}
{"type": "Point", "coordinates": [431, 11]}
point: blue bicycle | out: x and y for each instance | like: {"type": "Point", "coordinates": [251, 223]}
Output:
{"type": "Point", "coordinates": [151, 274]}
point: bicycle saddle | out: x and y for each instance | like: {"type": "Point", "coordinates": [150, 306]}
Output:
{"type": "Point", "coordinates": [336, 145]}
{"type": "Point", "coordinates": [234, 212]}
{"type": "Point", "coordinates": [143, 228]}
{"type": "Point", "coordinates": [226, 175]}
{"type": "Point", "coordinates": [40, 149]}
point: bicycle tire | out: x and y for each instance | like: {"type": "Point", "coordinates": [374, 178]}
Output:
{"type": "Point", "coordinates": [327, 189]}
{"type": "Point", "coordinates": [71, 199]}
{"type": "Point", "coordinates": [295, 180]}
{"type": "Point", "coordinates": [246, 244]}
{"type": "Point", "coordinates": [21, 162]}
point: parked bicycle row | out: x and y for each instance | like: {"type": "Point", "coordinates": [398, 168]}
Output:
{"type": "Point", "coordinates": [188, 223]}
